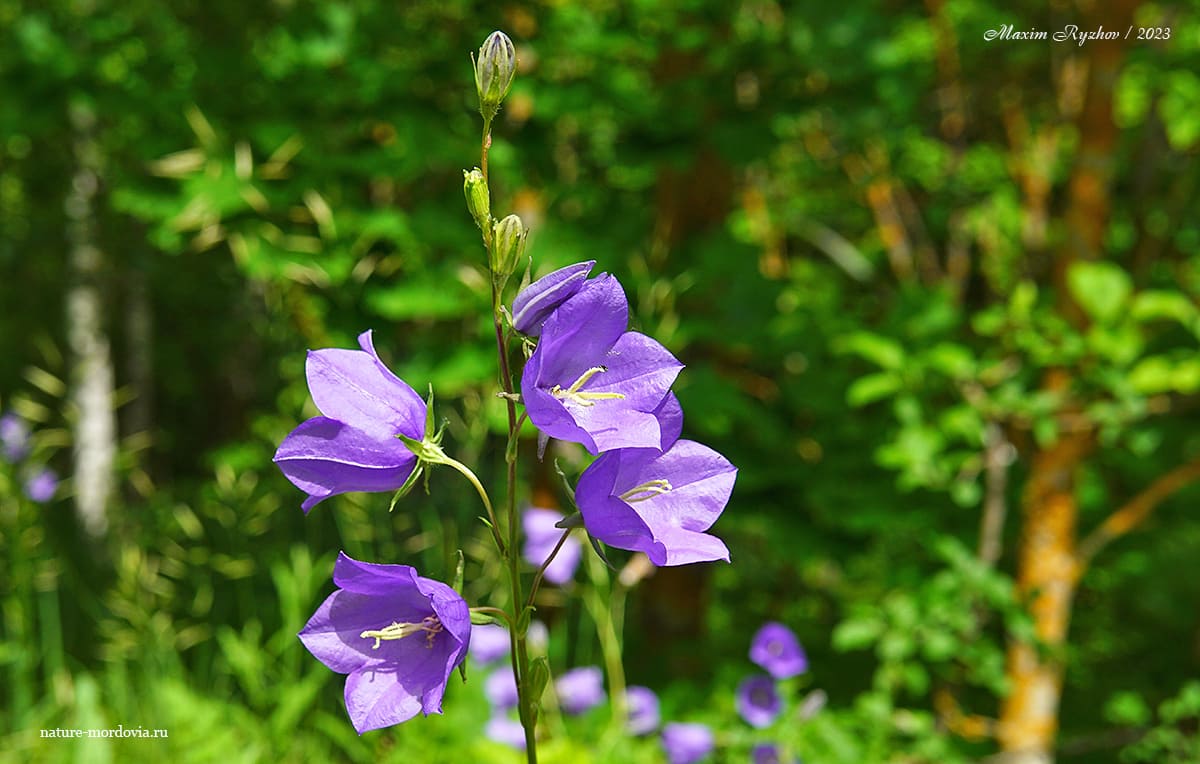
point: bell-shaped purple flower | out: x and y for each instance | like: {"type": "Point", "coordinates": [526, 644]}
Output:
{"type": "Point", "coordinates": [489, 642]}
{"type": "Point", "coordinates": [536, 302]}
{"type": "Point", "coordinates": [353, 447]}
{"type": "Point", "coordinates": [687, 743]}
{"type": "Point", "coordinates": [42, 485]}
{"type": "Point", "coordinates": [397, 635]}
{"type": "Point", "coordinates": [580, 689]}
{"type": "Point", "coordinates": [14, 437]}
{"type": "Point", "coordinates": [501, 689]}
{"type": "Point", "coordinates": [769, 753]}
{"type": "Point", "coordinates": [507, 731]}
{"type": "Point", "coordinates": [658, 503]}
{"type": "Point", "coordinates": [541, 536]}
{"type": "Point", "coordinates": [758, 701]}
{"type": "Point", "coordinates": [642, 705]}
{"type": "Point", "coordinates": [777, 650]}
{"type": "Point", "coordinates": [592, 382]}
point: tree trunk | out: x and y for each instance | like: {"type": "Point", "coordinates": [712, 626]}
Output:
{"type": "Point", "coordinates": [91, 362]}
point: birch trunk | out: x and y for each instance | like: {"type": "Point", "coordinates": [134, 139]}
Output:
{"type": "Point", "coordinates": [91, 362]}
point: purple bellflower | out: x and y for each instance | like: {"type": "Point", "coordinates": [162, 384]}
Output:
{"type": "Point", "coordinates": [536, 302]}
{"type": "Point", "coordinates": [541, 536]}
{"type": "Point", "coordinates": [397, 635]}
{"type": "Point", "coordinates": [592, 382]}
{"type": "Point", "coordinates": [758, 701]}
{"type": "Point", "coordinates": [14, 437]}
{"type": "Point", "coordinates": [687, 743]}
{"type": "Point", "coordinates": [353, 447]}
{"type": "Point", "coordinates": [580, 689]}
{"type": "Point", "coordinates": [501, 729]}
{"type": "Point", "coordinates": [777, 650]}
{"type": "Point", "coordinates": [642, 705]}
{"type": "Point", "coordinates": [501, 689]}
{"type": "Point", "coordinates": [658, 503]}
{"type": "Point", "coordinates": [489, 642]}
{"type": "Point", "coordinates": [769, 753]}
{"type": "Point", "coordinates": [42, 485]}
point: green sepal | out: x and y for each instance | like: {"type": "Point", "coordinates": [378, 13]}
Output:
{"type": "Point", "coordinates": [600, 553]}
{"type": "Point", "coordinates": [573, 520]}
{"type": "Point", "coordinates": [484, 619]}
{"type": "Point", "coordinates": [567, 487]}
{"type": "Point", "coordinates": [510, 451]}
{"type": "Point", "coordinates": [458, 573]}
{"type": "Point", "coordinates": [408, 485]}
{"type": "Point", "coordinates": [462, 670]}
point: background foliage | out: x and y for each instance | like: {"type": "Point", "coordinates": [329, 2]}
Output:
{"type": "Point", "coordinates": [852, 222]}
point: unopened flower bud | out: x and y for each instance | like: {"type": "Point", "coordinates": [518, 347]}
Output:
{"type": "Point", "coordinates": [508, 246]}
{"type": "Point", "coordinates": [475, 188]}
{"type": "Point", "coordinates": [494, 71]}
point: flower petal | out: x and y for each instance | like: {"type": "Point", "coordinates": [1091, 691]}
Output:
{"type": "Point", "coordinates": [605, 516]}
{"type": "Point", "coordinates": [581, 332]}
{"type": "Point", "coordinates": [534, 304]}
{"type": "Point", "coordinates": [354, 386]}
{"type": "Point", "coordinates": [324, 457]}
{"type": "Point", "coordinates": [670, 420]}
{"type": "Point", "coordinates": [639, 368]}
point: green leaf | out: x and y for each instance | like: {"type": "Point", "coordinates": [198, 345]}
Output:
{"type": "Point", "coordinates": [1153, 305]}
{"type": "Point", "coordinates": [1127, 708]}
{"type": "Point", "coordinates": [856, 633]}
{"type": "Point", "coordinates": [1101, 289]}
{"type": "Point", "coordinates": [872, 387]}
{"type": "Point", "coordinates": [879, 350]}
{"type": "Point", "coordinates": [1152, 375]}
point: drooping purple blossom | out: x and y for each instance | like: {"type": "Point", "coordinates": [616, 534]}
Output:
{"type": "Point", "coordinates": [397, 635]}
{"type": "Point", "coordinates": [758, 701]}
{"type": "Point", "coordinates": [501, 689]}
{"type": "Point", "coordinates": [489, 642]}
{"type": "Point", "coordinates": [658, 503]}
{"type": "Point", "coordinates": [536, 302]}
{"type": "Point", "coordinates": [776, 648]}
{"type": "Point", "coordinates": [642, 706]}
{"type": "Point", "coordinates": [592, 382]}
{"type": "Point", "coordinates": [507, 731]}
{"type": "Point", "coordinates": [353, 447]}
{"type": "Point", "coordinates": [686, 743]}
{"type": "Point", "coordinates": [769, 753]}
{"type": "Point", "coordinates": [541, 536]}
{"type": "Point", "coordinates": [580, 689]}
{"type": "Point", "coordinates": [42, 485]}
{"type": "Point", "coordinates": [14, 437]}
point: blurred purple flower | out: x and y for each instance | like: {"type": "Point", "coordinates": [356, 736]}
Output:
{"type": "Point", "coordinates": [658, 503]}
{"type": "Point", "coordinates": [501, 689]}
{"type": "Point", "coordinates": [536, 302]}
{"type": "Point", "coordinates": [777, 650]}
{"type": "Point", "coordinates": [489, 642]}
{"type": "Point", "coordinates": [758, 701]}
{"type": "Point", "coordinates": [769, 753]}
{"type": "Point", "coordinates": [42, 485]}
{"type": "Point", "coordinates": [398, 636]}
{"type": "Point", "coordinates": [501, 729]}
{"type": "Point", "coordinates": [14, 437]}
{"type": "Point", "coordinates": [642, 704]}
{"type": "Point", "coordinates": [592, 382]}
{"type": "Point", "coordinates": [687, 743]}
{"type": "Point", "coordinates": [353, 447]}
{"type": "Point", "coordinates": [540, 539]}
{"type": "Point", "coordinates": [580, 689]}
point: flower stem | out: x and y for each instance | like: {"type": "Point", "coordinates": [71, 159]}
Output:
{"type": "Point", "coordinates": [483, 495]}
{"type": "Point", "coordinates": [520, 650]}
{"type": "Point", "coordinates": [537, 579]}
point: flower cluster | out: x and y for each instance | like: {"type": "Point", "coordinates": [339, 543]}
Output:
{"type": "Point", "coordinates": [592, 381]}
{"type": "Point", "coordinates": [39, 482]}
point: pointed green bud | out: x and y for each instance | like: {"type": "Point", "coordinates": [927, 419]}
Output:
{"type": "Point", "coordinates": [475, 188]}
{"type": "Point", "coordinates": [508, 246]}
{"type": "Point", "coordinates": [494, 72]}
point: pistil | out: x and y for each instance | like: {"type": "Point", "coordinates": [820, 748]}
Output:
{"type": "Point", "coordinates": [430, 625]}
{"type": "Point", "coordinates": [573, 393]}
{"type": "Point", "coordinates": [647, 490]}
